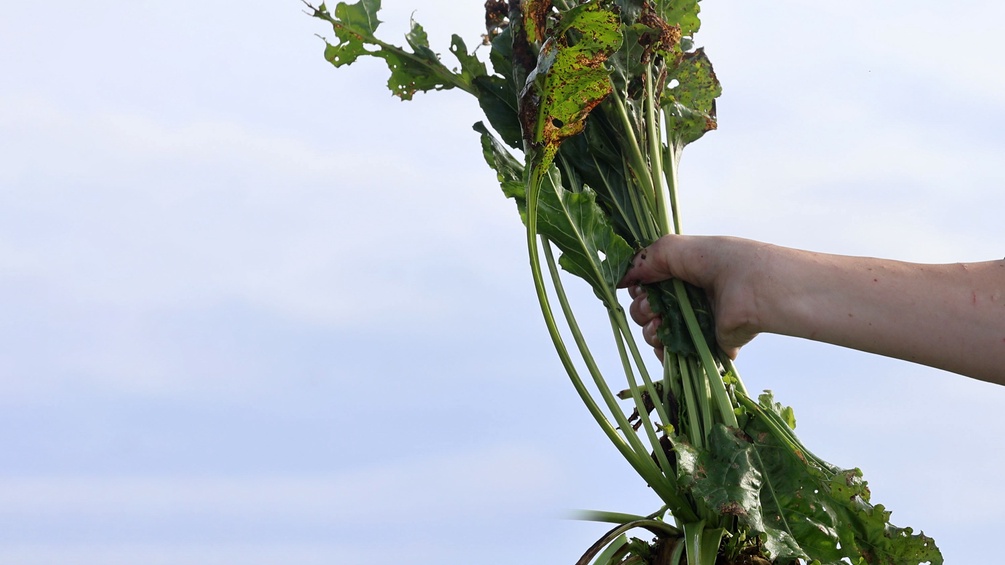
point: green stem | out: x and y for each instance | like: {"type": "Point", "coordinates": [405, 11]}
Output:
{"type": "Point", "coordinates": [781, 430]}
{"type": "Point", "coordinates": [692, 542]}
{"type": "Point", "coordinates": [657, 527]}
{"type": "Point", "coordinates": [625, 332]}
{"type": "Point", "coordinates": [556, 337]}
{"type": "Point", "coordinates": [718, 389]}
{"type": "Point", "coordinates": [634, 451]}
{"type": "Point", "coordinates": [640, 405]}
{"type": "Point", "coordinates": [641, 168]}
{"type": "Point", "coordinates": [694, 431]}
{"type": "Point", "coordinates": [701, 392]}
{"type": "Point", "coordinates": [671, 162]}
{"type": "Point", "coordinates": [635, 448]}
{"type": "Point", "coordinates": [730, 368]}
{"type": "Point", "coordinates": [656, 157]}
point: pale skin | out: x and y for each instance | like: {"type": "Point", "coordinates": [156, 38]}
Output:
{"type": "Point", "coordinates": [948, 316]}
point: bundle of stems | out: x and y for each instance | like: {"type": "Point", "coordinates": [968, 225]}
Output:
{"type": "Point", "coordinates": [599, 99]}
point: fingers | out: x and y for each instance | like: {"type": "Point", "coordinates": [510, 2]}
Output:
{"type": "Point", "coordinates": [643, 315]}
{"type": "Point", "coordinates": [640, 309]}
{"type": "Point", "coordinates": [635, 291]}
{"type": "Point", "coordinates": [649, 333]}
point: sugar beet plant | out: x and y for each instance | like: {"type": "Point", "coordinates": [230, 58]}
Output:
{"type": "Point", "coordinates": [589, 105]}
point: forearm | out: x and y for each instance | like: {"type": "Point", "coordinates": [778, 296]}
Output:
{"type": "Point", "coordinates": [946, 316]}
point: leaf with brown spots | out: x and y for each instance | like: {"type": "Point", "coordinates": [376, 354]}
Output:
{"type": "Point", "coordinates": [570, 79]}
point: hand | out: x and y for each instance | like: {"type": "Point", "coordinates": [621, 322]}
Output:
{"type": "Point", "coordinates": [724, 267]}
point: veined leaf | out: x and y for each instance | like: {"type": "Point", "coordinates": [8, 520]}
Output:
{"type": "Point", "coordinates": [597, 161]}
{"type": "Point", "coordinates": [630, 9]}
{"type": "Point", "coordinates": [497, 93]}
{"type": "Point", "coordinates": [784, 413]}
{"type": "Point", "coordinates": [802, 507]}
{"type": "Point", "coordinates": [590, 248]}
{"type": "Point", "coordinates": [573, 221]}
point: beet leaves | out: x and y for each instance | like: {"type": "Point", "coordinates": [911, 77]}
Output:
{"type": "Point", "coordinates": [589, 106]}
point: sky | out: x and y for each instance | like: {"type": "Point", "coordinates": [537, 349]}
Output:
{"type": "Point", "coordinates": [255, 310]}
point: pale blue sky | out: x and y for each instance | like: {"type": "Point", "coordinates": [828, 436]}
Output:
{"type": "Point", "coordinates": [255, 310]}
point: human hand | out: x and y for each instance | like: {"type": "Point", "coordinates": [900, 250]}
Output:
{"type": "Point", "coordinates": [726, 268]}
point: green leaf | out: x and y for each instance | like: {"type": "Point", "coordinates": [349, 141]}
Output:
{"type": "Point", "coordinates": [784, 413]}
{"type": "Point", "coordinates": [572, 221]}
{"type": "Point", "coordinates": [690, 104]}
{"type": "Point", "coordinates": [509, 171]}
{"type": "Point", "coordinates": [630, 9]}
{"type": "Point", "coordinates": [683, 13]}
{"type": "Point", "coordinates": [629, 61]}
{"type": "Point", "coordinates": [416, 70]}
{"type": "Point", "coordinates": [419, 42]}
{"type": "Point", "coordinates": [596, 159]}
{"type": "Point", "coordinates": [497, 98]}
{"type": "Point", "coordinates": [354, 26]}
{"type": "Point", "coordinates": [590, 248]}
{"type": "Point", "coordinates": [471, 67]}
{"type": "Point", "coordinates": [804, 508]}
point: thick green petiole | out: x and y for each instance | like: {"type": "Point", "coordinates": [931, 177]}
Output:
{"type": "Point", "coordinates": [628, 443]}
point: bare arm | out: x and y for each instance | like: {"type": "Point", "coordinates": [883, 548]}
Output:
{"type": "Point", "coordinates": [946, 316]}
